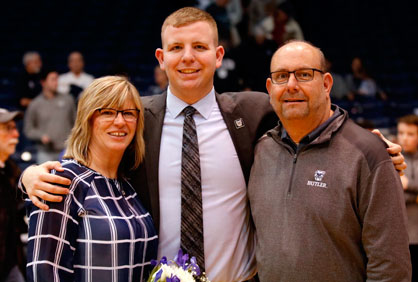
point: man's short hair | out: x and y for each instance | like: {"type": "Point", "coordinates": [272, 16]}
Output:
{"type": "Point", "coordinates": [28, 56]}
{"type": "Point", "coordinates": [409, 119]}
{"type": "Point", "coordinates": [189, 15]}
{"type": "Point", "coordinates": [45, 72]}
{"type": "Point", "coordinates": [105, 92]}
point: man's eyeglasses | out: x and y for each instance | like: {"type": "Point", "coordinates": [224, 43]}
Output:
{"type": "Point", "coordinates": [302, 75]}
{"type": "Point", "coordinates": [109, 114]}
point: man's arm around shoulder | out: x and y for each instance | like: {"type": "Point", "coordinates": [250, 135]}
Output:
{"type": "Point", "coordinates": [39, 183]}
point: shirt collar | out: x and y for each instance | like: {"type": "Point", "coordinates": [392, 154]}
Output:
{"type": "Point", "coordinates": [314, 133]}
{"type": "Point", "coordinates": [204, 106]}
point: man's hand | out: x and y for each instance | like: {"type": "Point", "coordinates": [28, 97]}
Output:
{"type": "Point", "coordinates": [394, 151]}
{"type": "Point", "coordinates": [39, 183]}
{"type": "Point", "coordinates": [405, 182]}
{"type": "Point", "coordinates": [45, 140]}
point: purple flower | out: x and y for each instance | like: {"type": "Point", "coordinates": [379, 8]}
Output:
{"type": "Point", "coordinates": [181, 259]}
{"type": "Point", "coordinates": [194, 266]}
{"type": "Point", "coordinates": [158, 275]}
{"type": "Point", "coordinates": [172, 279]}
{"type": "Point", "coordinates": [163, 260]}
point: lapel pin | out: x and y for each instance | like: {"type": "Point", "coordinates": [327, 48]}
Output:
{"type": "Point", "coordinates": [239, 123]}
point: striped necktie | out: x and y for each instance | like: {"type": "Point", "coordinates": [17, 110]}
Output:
{"type": "Point", "coordinates": [191, 192]}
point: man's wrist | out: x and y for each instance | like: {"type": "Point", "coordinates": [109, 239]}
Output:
{"type": "Point", "coordinates": [20, 184]}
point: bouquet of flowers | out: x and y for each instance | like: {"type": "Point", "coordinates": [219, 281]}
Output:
{"type": "Point", "coordinates": [178, 270]}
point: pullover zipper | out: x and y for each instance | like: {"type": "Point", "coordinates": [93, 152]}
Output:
{"type": "Point", "coordinates": [295, 158]}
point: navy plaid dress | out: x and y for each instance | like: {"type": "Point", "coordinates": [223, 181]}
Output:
{"type": "Point", "coordinates": [99, 232]}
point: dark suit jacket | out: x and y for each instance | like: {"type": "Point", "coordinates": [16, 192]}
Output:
{"type": "Point", "coordinates": [248, 115]}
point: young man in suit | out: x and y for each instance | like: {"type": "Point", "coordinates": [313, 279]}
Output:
{"type": "Point", "coordinates": [227, 126]}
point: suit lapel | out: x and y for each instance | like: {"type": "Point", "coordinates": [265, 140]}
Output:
{"type": "Point", "coordinates": [154, 119]}
{"type": "Point", "coordinates": [238, 128]}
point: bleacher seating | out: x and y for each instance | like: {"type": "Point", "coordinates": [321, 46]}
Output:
{"type": "Point", "coordinates": [122, 36]}
{"type": "Point", "coordinates": [381, 31]}
{"type": "Point", "coordinates": [111, 35]}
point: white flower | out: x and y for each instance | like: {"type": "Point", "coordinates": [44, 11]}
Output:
{"type": "Point", "coordinates": [174, 270]}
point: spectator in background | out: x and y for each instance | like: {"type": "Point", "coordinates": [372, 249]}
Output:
{"type": "Point", "coordinates": [49, 118]}
{"type": "Point", "coordinates": [28, 85]}
{"type": "Point", "coordinates": [235, 14]}
{"type": "Point", "coordinates": [257, 53]}
{"type": "Point", "coordinates": [11, 204]}
{"type": "Point", "coordinates": [228, 77]}
{"type": "Point", "coordinates": [218, 11]}
{"type": "Point", "coordinates": [76, 80]}
{"type": "Point", "coordinates": [243, 26]}
{"type": "Point", "coordinates": [202, 4]}
{"type": "Point", "coordinates": [408, 139]}
{"type": "Point", "coordinates": [227, 14]}
{"type": "Point", "coordinates": [160, 82]}
{"type": "Point", "coordinates": [339, 89]}
{"type": "Point", "coordinates": [361, 84]}
{"type": "Point", "coordinates": [281, 25]}
{"type": "Point", "coordinates": [258, 10]}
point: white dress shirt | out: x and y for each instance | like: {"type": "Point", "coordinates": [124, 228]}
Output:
{"type": "Point", "coordinates": [66, 79]}
{"type": "Point", "coordinates": [228, 238]}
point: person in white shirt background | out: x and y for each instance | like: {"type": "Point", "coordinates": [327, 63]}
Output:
{"type": "Point", "coordinates": [76, 80]}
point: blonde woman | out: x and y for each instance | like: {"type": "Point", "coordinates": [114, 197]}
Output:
{"type": "Point", "coordinates": [100, 231]}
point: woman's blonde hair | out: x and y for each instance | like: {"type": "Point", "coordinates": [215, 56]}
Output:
{"type": "Point", "coordinates": [105, 92]}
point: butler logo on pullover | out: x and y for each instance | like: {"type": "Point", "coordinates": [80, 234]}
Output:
{"type": "Point", "coordinates": [319, 174]}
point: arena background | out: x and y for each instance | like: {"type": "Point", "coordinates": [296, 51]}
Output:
{"type": "Point", "coordinates": [121, 37]}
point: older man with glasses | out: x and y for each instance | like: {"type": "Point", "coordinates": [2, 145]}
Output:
{"type": "Point", "coordinates": [11, 220]}
{"type": "Point", "coordinates": [326, 201]}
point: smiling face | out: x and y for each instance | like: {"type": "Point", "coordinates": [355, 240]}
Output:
{"type": "Point", "coordinates": [190, 57]}
{"type": "Point", "coordinates": [300, 101]}
{"type": "Point", "coordinates": [112, 137]}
